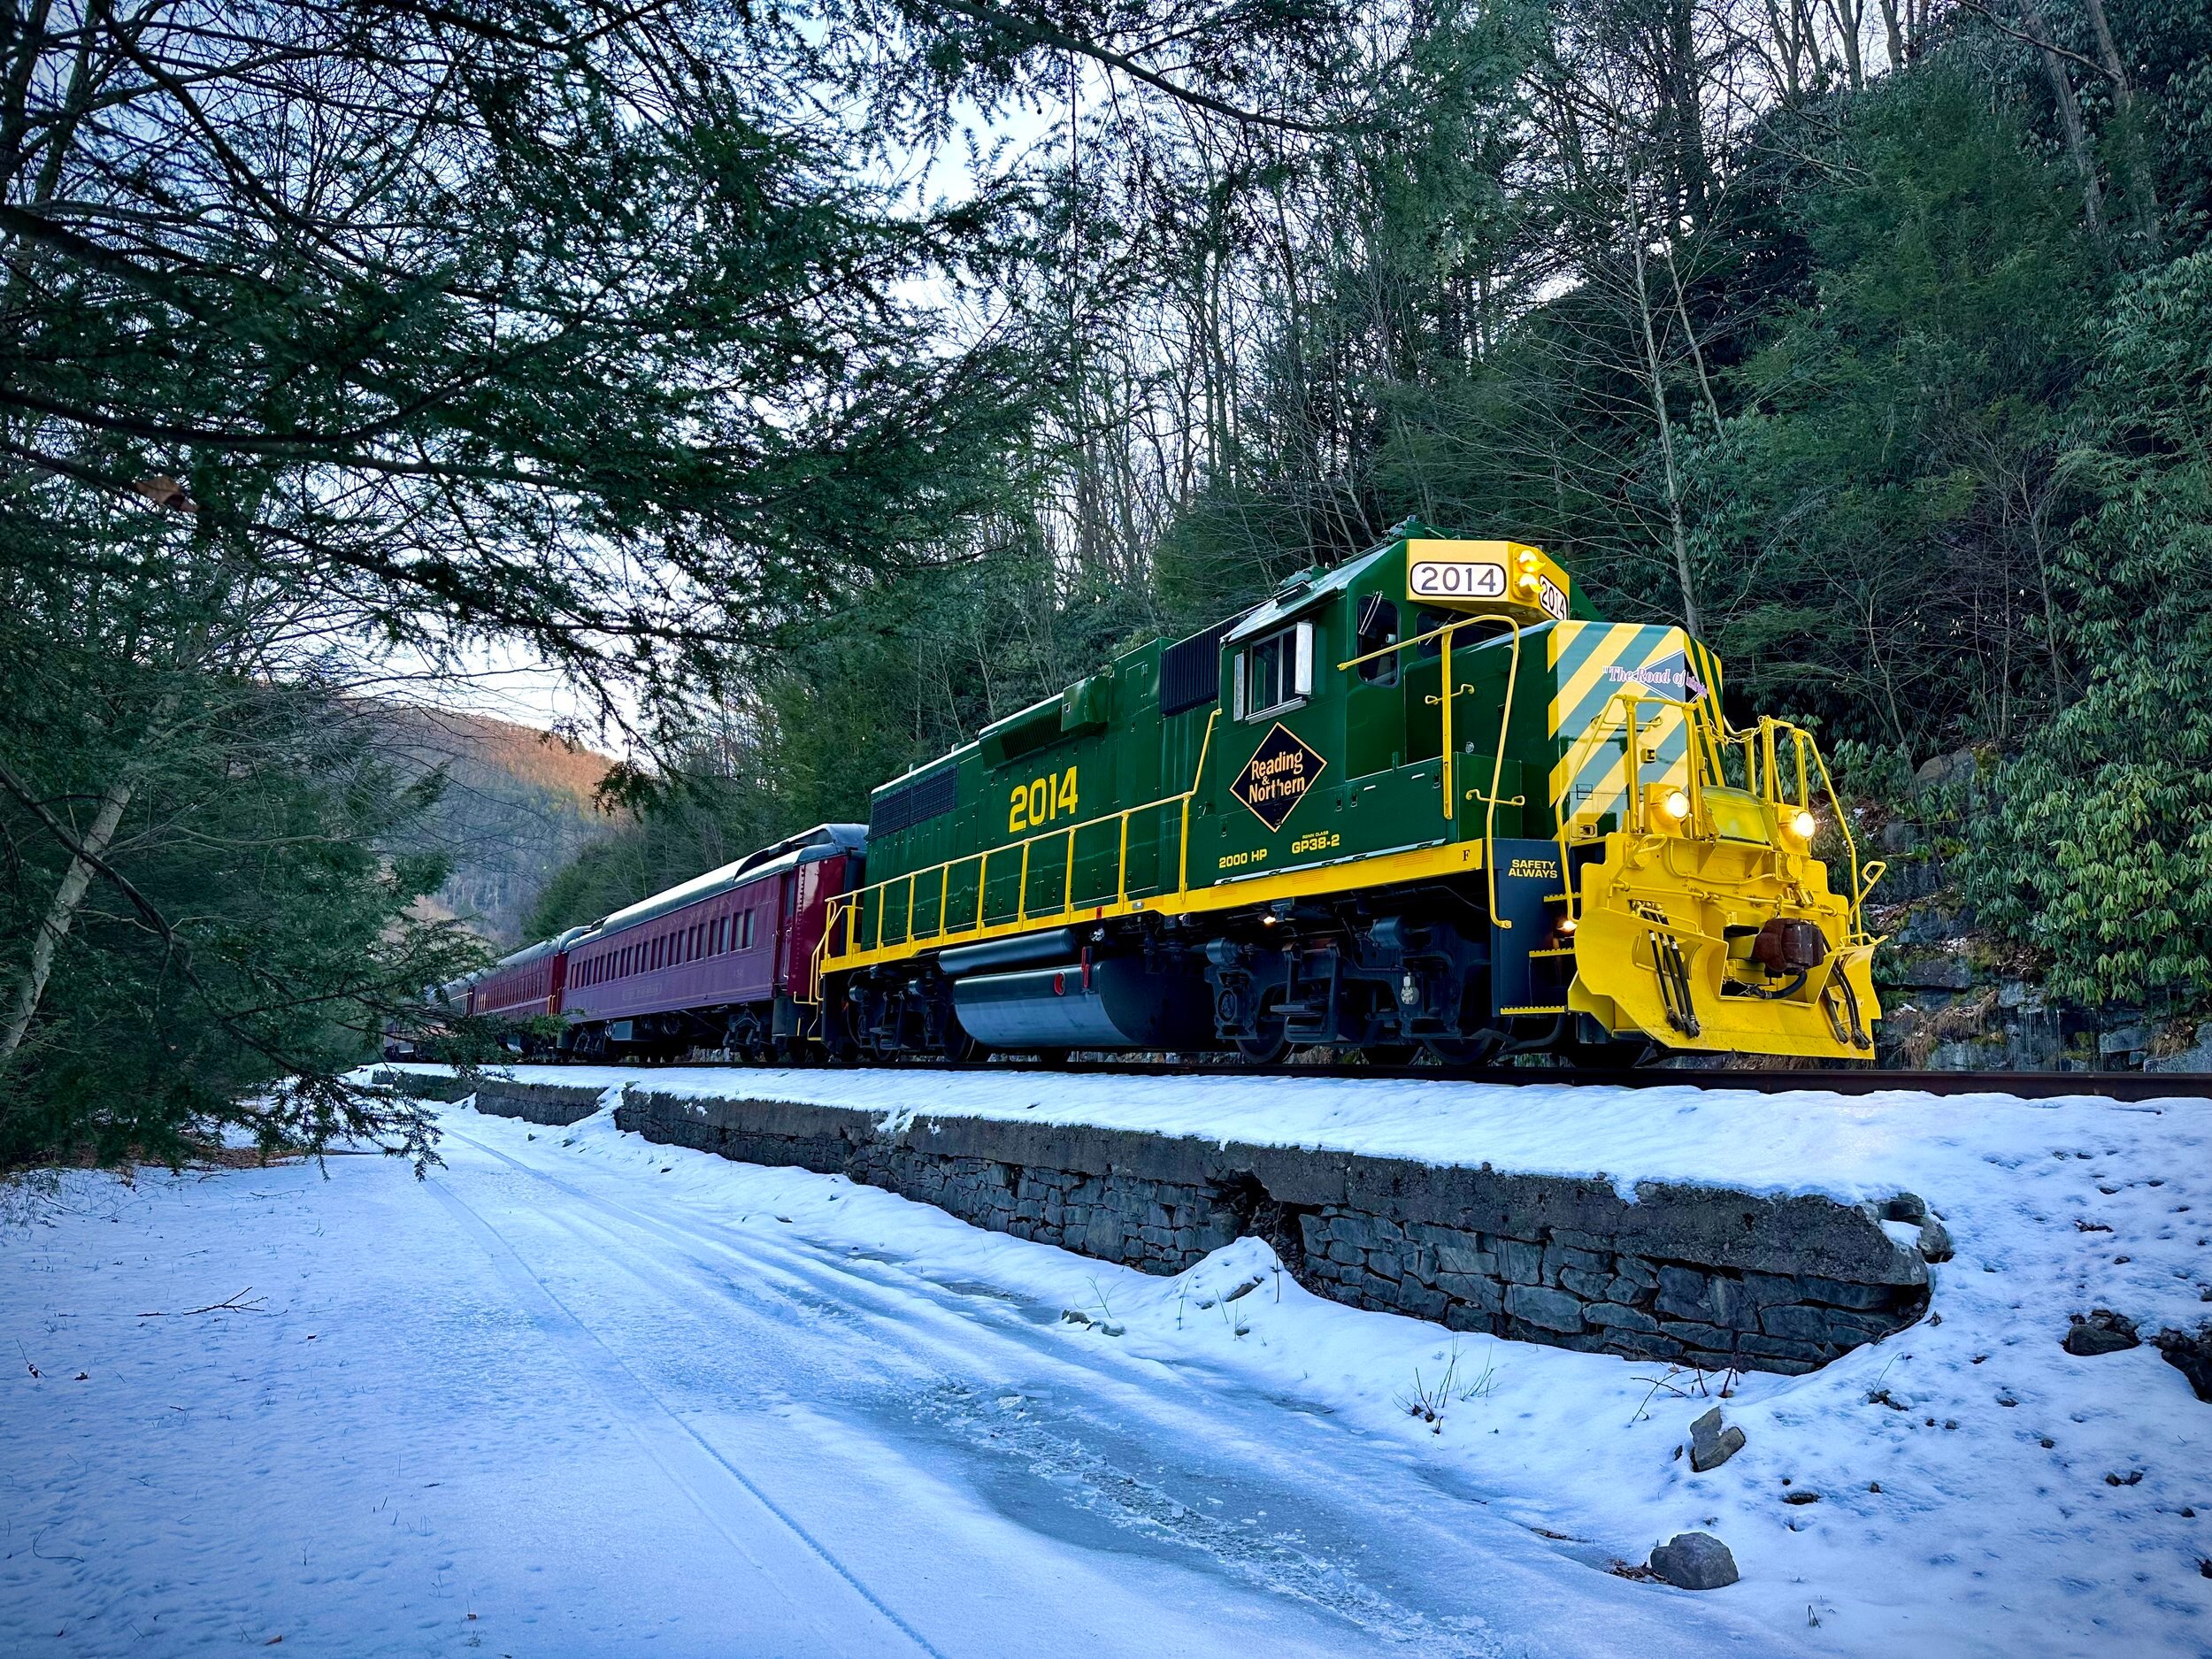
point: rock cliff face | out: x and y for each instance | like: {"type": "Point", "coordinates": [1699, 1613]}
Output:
{"type": "Point", "coordinates": [1956, 1000]}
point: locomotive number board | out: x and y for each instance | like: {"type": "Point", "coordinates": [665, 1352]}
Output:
{"type": "Point", "coordinates": [1456, 579]}
{"type": "Point", "coordinates": [1474, 572]}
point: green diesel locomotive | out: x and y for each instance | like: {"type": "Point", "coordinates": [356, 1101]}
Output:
{"type": "Point", "coordinates": [1422, 801]}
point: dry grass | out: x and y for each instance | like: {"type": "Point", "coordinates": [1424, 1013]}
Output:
{"type": "Point", "coordinates": [197, 1154]}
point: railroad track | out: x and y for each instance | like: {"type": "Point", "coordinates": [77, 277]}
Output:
{"type": "Point", "coordinates": [2124, 1085]}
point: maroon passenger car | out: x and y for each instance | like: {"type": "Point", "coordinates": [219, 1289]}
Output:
{"type": "Point", "coordinates": [725, 961]}
{"type": "Point", "coordinates": [522, 986]}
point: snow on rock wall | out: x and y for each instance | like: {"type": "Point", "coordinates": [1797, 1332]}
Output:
{"type": "Point", "coordinates": [1693, 1274]}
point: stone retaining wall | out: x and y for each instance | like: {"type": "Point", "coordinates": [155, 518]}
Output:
{"type": "Point", "coordinates": [1693, 1275]}
{"type": "Point", "coordinates": [554, 1104]}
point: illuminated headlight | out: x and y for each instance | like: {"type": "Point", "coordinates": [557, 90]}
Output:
{"type": "Point", "coordinates": [1676, 806]}
{"type": "Point", "coordinates": [1527, 585]}
{"type": "Point", "coordinates": [1528, 561]}
{"type": "Point", "coordinates": [1567, 925]}
{"type": "Point", "coordinates": [1803, 825]}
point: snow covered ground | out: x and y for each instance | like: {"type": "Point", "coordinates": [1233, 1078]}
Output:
{"type": "Point", "coordinates": [581, 1394]}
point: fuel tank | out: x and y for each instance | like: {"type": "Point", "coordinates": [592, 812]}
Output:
{"type": "Point", "coordinates": [1117, 1003]}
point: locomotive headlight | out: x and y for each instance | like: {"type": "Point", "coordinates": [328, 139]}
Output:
{"type": "Point", "coordinates": [1567, 925]}
{"type": "Point", "coordinates": [1527, 585]}
{"type": "Point", "coordinates": [1528, 561]}
{"type": "Point", "coordinates": [1676, 806]}
{"type": "Point", "coordinates": [1803, 826]}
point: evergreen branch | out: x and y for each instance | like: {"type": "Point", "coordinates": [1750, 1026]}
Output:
{"type": "Point", "coordinates": [1043, 34]}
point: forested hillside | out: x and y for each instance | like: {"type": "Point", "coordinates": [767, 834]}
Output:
{"type": "Point", "coordinates": [514, 807]}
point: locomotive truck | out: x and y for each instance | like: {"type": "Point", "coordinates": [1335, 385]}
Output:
{"type": "Point", "coordinates": [1425, 800]}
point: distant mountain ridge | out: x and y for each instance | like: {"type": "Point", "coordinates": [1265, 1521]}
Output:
{"type": "Point", "coordinates": [519, 805]}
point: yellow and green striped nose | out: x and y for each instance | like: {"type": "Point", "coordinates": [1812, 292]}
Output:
{"type": "Point", "coordinates": [1591, 664]}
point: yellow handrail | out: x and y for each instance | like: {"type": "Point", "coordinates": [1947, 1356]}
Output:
{"type": "Point", "coordinates": [1635, 775]}
{"type": "Point", "coordinates": [1497, 761]}
{"type": "Point", "coordinates": [845, 907]}
{"type": "Point", "coordinates": [1570, 768]}
{"type": "Point", "coordinates": [1182, 849]}
{"type": "Point", "coordinates": [1763, 778]}
{"type": "Point", "coordinates": [1859, 888]}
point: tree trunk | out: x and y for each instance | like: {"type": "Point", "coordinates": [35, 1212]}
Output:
{"type": "Point", "coordinates": [1786, 42]}
{"type": "Point", "coordinates": [61, 914]}
{"type": "Point", "coordinates": [1666, 426]}
{"type": "Point", "coordinates": [57, 142]}
{"type": "Point", "coordinates": [54, 926]}
{"type": "Point", "coordinates": [2142, 190]}
{"type": "Point", "coordinates": [1894, 29]}
{"type": "Point", "coordinates": [2070, 120]}
{"type": "Point", "coordinates": [1850, 16]}
{"type": "Point", "coordinates": [1697, 351]}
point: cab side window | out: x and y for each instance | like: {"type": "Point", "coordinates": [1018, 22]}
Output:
{"type": "Point", "coordinates": [1264, 676]}
{"type": "Point", "coordinates": [1275, 672]}
{"type": "Point", "coordinates": [1376, 629]}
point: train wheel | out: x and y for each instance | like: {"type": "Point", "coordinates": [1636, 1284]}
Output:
{"type": "Point", "coordinates": [1263, 1049]}
{"type": "Point", "coordinates": [1270, 1041]}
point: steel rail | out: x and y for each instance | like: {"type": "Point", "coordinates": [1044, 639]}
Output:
{"type": "Point", "coordinates": [2120, 1086]}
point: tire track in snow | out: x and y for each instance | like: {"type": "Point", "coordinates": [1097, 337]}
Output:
{"type": "Point", "coordinates": [1274, 1563]}
{"type": "Point", "coordinates": [681, 1452]}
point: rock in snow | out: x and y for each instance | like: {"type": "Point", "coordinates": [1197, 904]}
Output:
{"type": "Point", "coordinates": [2190, 1356]}
{"type": "Point", "coordinates": [1694, 1560]}
{"type": "Point", "coordinates": [1935, 1240]}
{"type": "Point", "coordinates": [1711, 1445]}
{"type": "Point", "coordinates": [2103, 1332]}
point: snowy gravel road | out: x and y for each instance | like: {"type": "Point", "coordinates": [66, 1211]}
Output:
{"type": "Point", "coordinates": [544, 1405]}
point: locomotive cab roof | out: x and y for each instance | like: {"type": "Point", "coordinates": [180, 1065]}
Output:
{"type": "Point", "coordinates": [1303, 593]}
{"type": "Point", "coordinates": [1444, 572]}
